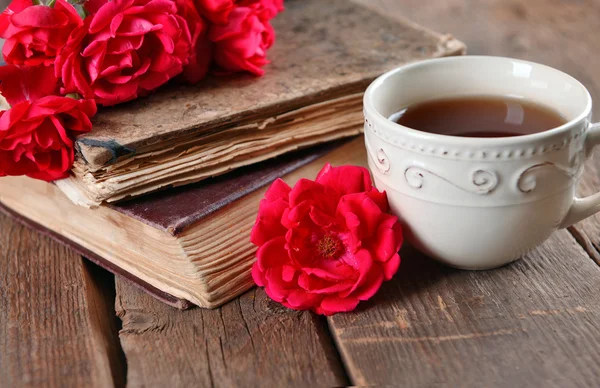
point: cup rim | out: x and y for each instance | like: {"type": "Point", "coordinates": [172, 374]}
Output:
{"type": "Point", "coordinates": [465, 140]}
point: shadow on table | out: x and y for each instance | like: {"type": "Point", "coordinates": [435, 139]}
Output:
{"type": "Point", "coordinates": [417, 272]}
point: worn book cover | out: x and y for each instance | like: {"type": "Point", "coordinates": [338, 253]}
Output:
{"type": "Point", "coordinates": [325, 56]}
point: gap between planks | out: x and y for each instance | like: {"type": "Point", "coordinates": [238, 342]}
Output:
{"type": "Point", "coordinates": [57, 320]}
{"type": "Point", "coordinates": [250, 341]}
{"type": "Point", "coordinates": [102, 296]}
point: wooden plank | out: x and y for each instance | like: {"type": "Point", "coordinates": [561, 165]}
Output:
{"type": "Point", "coordinates": [534, 322]}
{"type": "Point", "coordinates": [587, 232]}
{"type": "Point", "coordinates": [55, 322]}
{"type": "Point", "coordinates": [249, 342]}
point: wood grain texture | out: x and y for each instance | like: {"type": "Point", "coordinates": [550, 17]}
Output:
{"type": "Point", "coordinates": [249, 342]}
{"type": "Point", "coordinates": [55, 321]}
{"type": "Point", "coordinates": [532, 323]}
{"type": "Point", "coordinates": [587, 232]}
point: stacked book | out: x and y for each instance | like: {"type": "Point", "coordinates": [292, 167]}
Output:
{"type": "Point", "coordinates": [165, 190]}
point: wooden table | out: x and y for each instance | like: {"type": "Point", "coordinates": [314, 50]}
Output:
{"type": "Point", "coordinates": [64, 322]}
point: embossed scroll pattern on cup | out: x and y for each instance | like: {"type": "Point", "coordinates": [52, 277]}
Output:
{"type": "Point", "coordinates": [481, 181]}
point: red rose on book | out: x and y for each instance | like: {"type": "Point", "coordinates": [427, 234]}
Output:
{"type": "Point", "coordinates": [327, 244]}
{"type": "Point", "coordinates": [36, 33]}
{"type": "Point", "coordinates": [127, 49]}
{"type": "Point", "coordinates": [36, 132]}
{"type": "Point", "coordinates": [35, 137]}
{"type": "Point", "coordinates": [242, 43]}
{"type": "Point", "coordinates": [20, 83]}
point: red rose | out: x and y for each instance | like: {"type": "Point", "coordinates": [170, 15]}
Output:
{"type": "Point", "coordinates": [200, 54]}
{"type": "Point", "coordinates": [35, 33]}
{"type": "Point", "coordinates": [128, 48]}
{"type": "Point", "coordinates": [242, 43]}
{"type": "Point", "coordinates": [325, 245]}
{"type": "Point", "coordinates": [36, 133]}
{"type": "Point", "coordinates": [35, 137]}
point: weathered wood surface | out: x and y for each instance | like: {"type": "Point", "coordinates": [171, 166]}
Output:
{"type": "Point", "coordinates": [532, 323]}
{"type": "Point", "coordinates": [249, 342]}
{"type": "Point", "coordinates": [587, 232]}
{"type": "Point", "coordinates": [55, 323]}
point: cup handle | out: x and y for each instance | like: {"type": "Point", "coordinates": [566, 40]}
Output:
{"type": "Point", "coordinates": [582, 208]}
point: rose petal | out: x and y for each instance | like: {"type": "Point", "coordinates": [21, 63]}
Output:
{"type": "Point", "coordinates": [19, 83]}
{"type": "Point", "coordinates": [302, 300]}
{"type": "Point", "coordinates": [275, 287]}
{"type": "Point", "coordinates": [363, 263]}
{"type": "Point", "coordinates": [268, 222]}
{"type": "Point", "coordinates": [388, 240]}
{"type": "Point", "coordinates": [272, 254]}
{"type": "Point", "coordinates": [135, 26]}
{"type": "Point", "coordinates": [314, 193]}
{"type": "Point", "coordinates": [345, 179]}
{"type": "Point", "coordinates": [278, 190]}
{"type": "Point", "coordinates": [257, 275]}
{"type": "Point", "coordinates": [391, 267]}
{"type": "Point", "coordinates": [331, 305]}
{"type": "Point", "coordinates": [319, 286]}
{"type": "Point", "coordinates": [107, 13]}
{"type": "Point", "coordinates": [362, 215]}
{"type": "Point", "coordinates": [370, 284]}
{"type": "Point", "coordinates": [217, 11]}
{"type": "Point", "coordinates": [287, 273]}
{"type": "Point", "coordinates": [39, 16]}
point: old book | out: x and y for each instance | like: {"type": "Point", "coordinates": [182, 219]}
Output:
{"type": "Point", "coordinates": [325, 55]}
{"type": "Point", "coordinates": [188, 245]}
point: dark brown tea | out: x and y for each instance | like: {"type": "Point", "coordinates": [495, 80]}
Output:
{"type": "Point", "coordinates": [481, 116]}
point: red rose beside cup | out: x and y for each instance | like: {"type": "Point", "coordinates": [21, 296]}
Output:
{"type": "Point", "coordinates": [325, 245]}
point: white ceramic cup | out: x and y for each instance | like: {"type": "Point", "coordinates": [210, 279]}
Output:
{"type": "Point", "coordinates": [479, 203]}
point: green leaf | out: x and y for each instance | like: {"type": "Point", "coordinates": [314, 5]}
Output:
{"type": "Point", "coordinates": [75, 96]}
{"type": "Point", "coordinates": [80, 10]}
